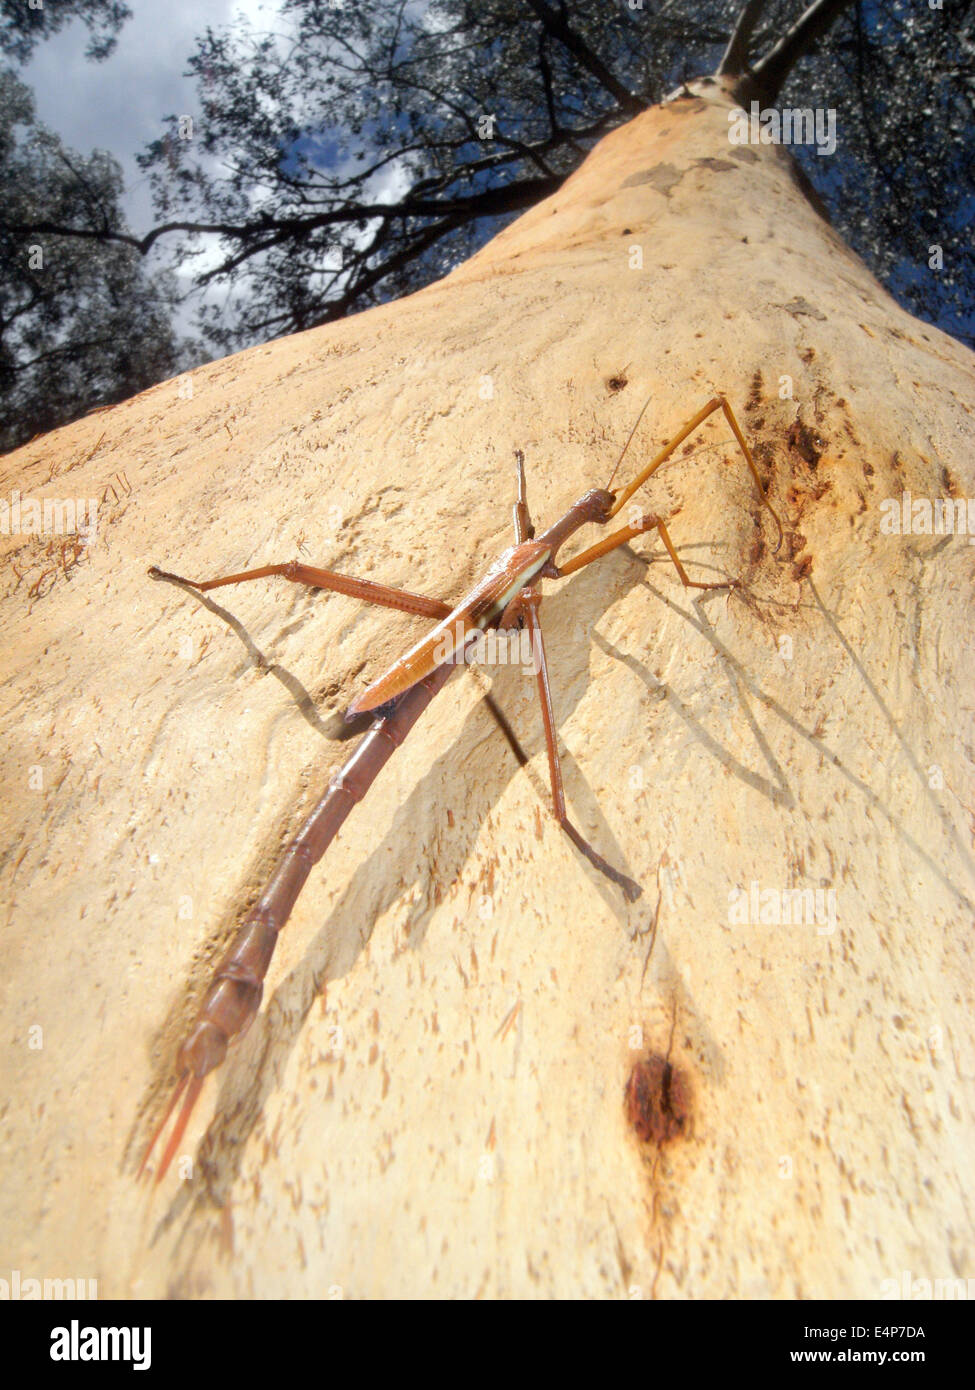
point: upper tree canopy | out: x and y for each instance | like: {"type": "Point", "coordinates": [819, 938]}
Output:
{"type": "Point", "coordinates": [27, 22]}
{"type": "Point", "coordinates": [82, 323]}
{"type": "Point", "coordinates": [375, 147]}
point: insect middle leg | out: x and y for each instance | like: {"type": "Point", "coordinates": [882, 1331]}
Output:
{"type": "Point", "coordinates": [298, 573]}
{"type": "Point", "coordinates": [648, 522]}
{"type": "Point", "coordinates": [527, 605]}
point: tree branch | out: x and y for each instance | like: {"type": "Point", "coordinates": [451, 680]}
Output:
{"type": "Point", "coordinates": [338, 308]}
{"type": "Point", "coordinates": [771, 71]}
{"type": "Point", "coordinates": [559, 28]}
{"type": "Point", "coordinates": [270, 231]}
{"type": "Point", "coordinates": [735, 60]}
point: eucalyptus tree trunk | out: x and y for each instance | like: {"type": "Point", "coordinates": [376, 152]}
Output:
{"type": "Point", "coordinates": [478, 1070]}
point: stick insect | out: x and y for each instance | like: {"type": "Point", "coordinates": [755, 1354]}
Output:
{"type": "Point", "coordinates": [508, 596]}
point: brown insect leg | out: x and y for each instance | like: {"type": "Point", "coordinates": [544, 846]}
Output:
{"type": "Point", "coordinates": [690, 583]}
{"type": "Point", "coordinates": [626, 533]}
{"type": "Point", "coordinates": [298, 573]}
{"type": "Point", "coordinates": [631, 890]}
{"type": "Point", "coordinates": [524, 530]}
{"type": "Point", "coordinates": [717, 403]}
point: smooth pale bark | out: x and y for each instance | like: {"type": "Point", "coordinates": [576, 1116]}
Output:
{"type": "Point", "coordinates": [380, 1131]}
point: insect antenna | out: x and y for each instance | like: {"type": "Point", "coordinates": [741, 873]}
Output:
{"type": "Point", "coordinates": [609, 485]}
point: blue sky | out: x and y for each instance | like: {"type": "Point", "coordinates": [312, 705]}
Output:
{"type": "Point", "coordinates": [119, 105]}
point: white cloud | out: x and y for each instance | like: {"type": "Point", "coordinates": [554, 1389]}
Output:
{"type": "Point", "coordinates": [119, 105]}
